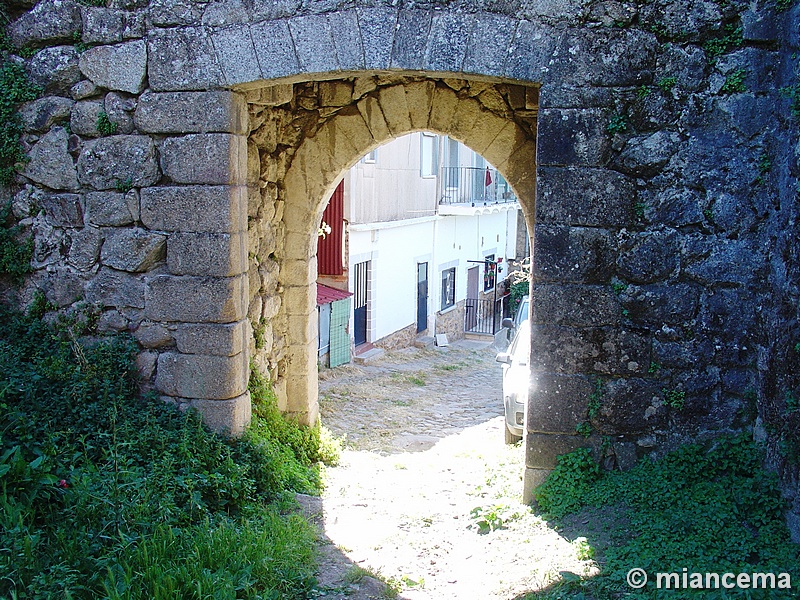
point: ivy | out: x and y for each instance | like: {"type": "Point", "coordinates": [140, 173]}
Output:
{"type": "Point", "coordinates": [15, 254]}
{"type": "Point", "coordinates": [14, 89]}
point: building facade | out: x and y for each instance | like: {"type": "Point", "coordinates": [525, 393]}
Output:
{"type": "Point", "coordinates": [430, 231]}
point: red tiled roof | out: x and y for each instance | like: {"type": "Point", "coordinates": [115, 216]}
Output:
{"type": "Point", "coordinates": [326, 295]}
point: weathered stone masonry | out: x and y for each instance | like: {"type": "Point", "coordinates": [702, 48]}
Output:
{"type": "Point", "coordinates": [665, 254]}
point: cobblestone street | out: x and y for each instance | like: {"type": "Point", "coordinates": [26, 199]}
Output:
{"type": "Point", "coordinates": [425, 463]}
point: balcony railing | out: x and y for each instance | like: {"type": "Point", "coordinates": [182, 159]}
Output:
{"type": "Point", "coordinates": [474, 186]}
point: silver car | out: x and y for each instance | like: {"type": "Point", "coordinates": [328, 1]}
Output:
{"type": "Point", "coordinates": [516, 377]}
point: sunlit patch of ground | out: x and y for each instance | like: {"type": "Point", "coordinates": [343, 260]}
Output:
{"type": "Point", "coordinates": [427, 494]}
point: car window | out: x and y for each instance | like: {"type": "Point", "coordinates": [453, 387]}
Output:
{"type": "Point", "coordinates": [521, 346]}
{"type": "Point", "coordinates": [522, 312]}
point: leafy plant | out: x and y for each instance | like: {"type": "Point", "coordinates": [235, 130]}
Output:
{"type": "Point", "coordinates": [731, 37]}
{"type": "Point", "coordinates": [667, 83]}
{"type": "Point", "coordinates": [584, 428]}
{"type": "Point", "coordinates": [124, 186]}
{"type": "Point", "coordinates": [619, 287]}
{"type": "Point", "coordinates": [734, 82]}
{"type": "Point", "coordinates": [675, 398]}
{"type": "Point", "coordinates": [14, 89]}
{"type": "Point", "coordinates": [104, 125]}
{"type": "Point", "coordinates": [492, 517]}
{"type": "Point", "coordinates": [16, 249]}
{"type": "Point", "coordinates": [617, 124]}
{"type": "Point", "coordinates": [105, 494]}
{"type": "Point", "coordinates": [710, 507]}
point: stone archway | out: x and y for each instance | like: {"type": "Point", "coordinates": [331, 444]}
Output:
{"type": "Point", "coordinates": [190, 225]}
{"type": "Point", "coordinates": [497, 120]}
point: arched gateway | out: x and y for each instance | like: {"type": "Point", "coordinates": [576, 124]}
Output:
{"type": "Point", "coordinates": [194, 225]}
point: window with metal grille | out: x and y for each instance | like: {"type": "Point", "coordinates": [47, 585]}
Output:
{"type": "Point", "coordinates": [448, 288]}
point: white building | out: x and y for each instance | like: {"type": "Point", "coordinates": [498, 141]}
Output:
{"type": "Point", "coordinates": [429, 232]}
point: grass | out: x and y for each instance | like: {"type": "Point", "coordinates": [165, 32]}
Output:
{"type": "Point", "coordinates": [707, 508]}
{"type": "Point", "coordinates": [104, 494]}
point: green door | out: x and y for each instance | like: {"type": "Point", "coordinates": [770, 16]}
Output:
{"type": "Point", "coordinates": [340, 341]}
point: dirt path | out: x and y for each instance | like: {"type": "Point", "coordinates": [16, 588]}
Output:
{"type": "Point", "coordinates": [424, 477]}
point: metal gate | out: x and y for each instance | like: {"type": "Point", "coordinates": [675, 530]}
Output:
{"type": "Point", "coordinates": [482, 315]}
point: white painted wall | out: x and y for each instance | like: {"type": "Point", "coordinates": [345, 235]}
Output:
{"type": "Point", "coordinates": [394, 222]}
{"type": "Point", "coordinates": [394, 248]}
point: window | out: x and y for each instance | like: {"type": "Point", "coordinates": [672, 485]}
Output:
{"type": "Point", "coordinates": [370, 157]}
{"type": "Point", "coordinates": [453, 163]}
{"type": "Point", "coordinates": [489, 272]}
{"type": "Point", "coordinates": [448, 288]}
{"type": "Point", "coordinates": [428, 155]}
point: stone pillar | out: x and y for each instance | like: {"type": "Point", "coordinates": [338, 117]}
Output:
{"type": "Point", "coordinates": [203, 294]}
{"type": "Point", "coordinates": [578, 338]}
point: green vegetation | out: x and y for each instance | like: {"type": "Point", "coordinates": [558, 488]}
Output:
{"type": "Point", "coordinates": [104, 124]}
{"type": "Point", "coordinates": [617, 124]}
{"type": "Point", "coordinates": [675, 399]}
{"type": "Point", "coordinates": [105, 494]}
{"type": "Point", "coordinates": [792, 92]}
{"type": "Point", "coordinates": [14, 89]}
{"type": "Point", "coordinates": [782, 5]}
{"type": "Point", "coordinates": [705, 508]}
{"type": "Point", "coordinates": [764, 167]}
{"type": "Point", "coordinates": [667, 83]}
{"type": "Point", "coordinates": [730, 38]}
{"type": "Point", "coordinates": [734, 82]}
{"type": "Point", "coordinates": [16, 249]}
{"type": "Point", "coordinates": [124, 186]}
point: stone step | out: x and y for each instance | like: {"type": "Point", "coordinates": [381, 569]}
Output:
{"type": "Point", "coordinates": [424, 342]}
{"type": "Point", "coordinates": [368, 357]}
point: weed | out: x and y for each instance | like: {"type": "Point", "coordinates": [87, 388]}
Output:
{"type": "Point", "coordinates": [642, 92]}
{"type": "Point", "coordinates": [14, 90]}
{"type": "Point", "coordinates": [124, 186]}
{"type": "Point", "coordinates": [638, 210]}
{"type": "Point", "coordinates": [783, 5]}
{"type": "Point", "coordinates": [617, 124]}
{"type": "Point", "coordinates": [492, 517]}
{"type": "Point", "coordinates": [104, 125]}
{"type": "Point", "coordinates": [792, 404]}
{"type": "Point", "coordinates": [710, 507]}
{"type": "Point", "coordinates": [709, 215]}
{"type": "Point", "coordinates": [16, 249]}
{"type": "Point", "coordinates": [583, 551]}
{"type": "Point", "coordinates": [653, 368]}
{"type": "Point", "coordinates": [797, 347]}
{"type": "Point", "coordinates": [674, 398]}
{"type": "Point", "coordinates": [731, 37]}
{"type": "Point", "coordinates": [416, 379]}
{"type": "Point", "coordinates": [667, 83]}
{"type": "Point", "coordinates": [584, 428]}
{"type": "Point", "coordinates": [734, 82]}
{"type": "Point", "coordinates": [792, 92]}
{"type": "Point", "coordinates": [80, 45]}
{"type": "Point", "coordinates": [619, 287]}
{"type": "Point", "coordinates": [105, 494]}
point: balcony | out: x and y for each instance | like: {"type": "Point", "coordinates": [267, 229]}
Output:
{"type": "Point", "coordinates": [473, 187]}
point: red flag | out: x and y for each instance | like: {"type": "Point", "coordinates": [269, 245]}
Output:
{"type": "Point", "coordinates": [488, 180]}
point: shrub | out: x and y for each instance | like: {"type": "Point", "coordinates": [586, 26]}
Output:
{"type": "Point", "coordinates": [105, 494]}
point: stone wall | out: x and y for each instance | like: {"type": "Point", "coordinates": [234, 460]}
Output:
{"type": "Point", "coordinates": [451, 322]}
{"type": "Point", "coordinates": [181, 152]}
{"type": "Point", "coordinates": [401, 338]}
